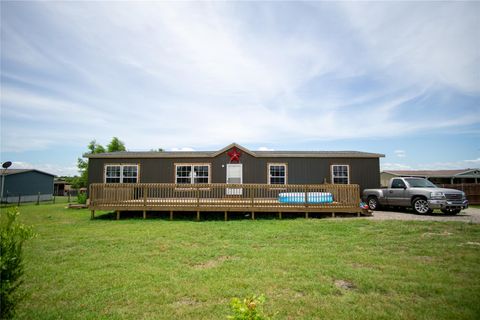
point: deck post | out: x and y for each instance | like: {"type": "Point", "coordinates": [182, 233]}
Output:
{"type": "Point", "coordinates": [144, 197]}
{"type": "Point", "coordinates": [306, 196]}
{"type": "Point", "coordinates": [144, 214]}
{"type": "Point", "coordinates": [253, 215]}
{"type": "Point", "coordinates": [226, 215]}
{"type": "Point", "coordinates": [280, 215]}
{"type": "Point", "coordinates": [251, 196]}
{"type": "Point", "coordinates": [198, 215]}
{"type": "Point", "coordinates": [118, 214]}
{"type": "Point", "coordinates": [197, 194]}
{"type": "Point", "coordinates": [358, 214]}
{"type": "Point", "coordinates": [333, 214]}
{"type": "Point", "coordinates": [92, 215]}
{"type": "Point", "coordinates": [306, 215]}
{"type": "Point", "coordinates": [171, 215]}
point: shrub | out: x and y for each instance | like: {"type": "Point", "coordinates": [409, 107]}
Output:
{"type": "Point", "coordinates": [82, 198]}
{"type": "Point", "coordinates": [12, 236]}
{"type": "Point", "coordinates": [249, 308]}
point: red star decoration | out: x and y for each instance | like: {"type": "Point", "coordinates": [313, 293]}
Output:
{"type": "Point", "coordinates": [234, 155]}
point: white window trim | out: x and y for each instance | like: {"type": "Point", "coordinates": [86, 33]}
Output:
{"type": "Point", "coordinates": [192, 179]}
{"type": "Point", "coordinates": [269, 176]}
{"type": "Point", "coordinates": [121, 165]}
{"type": "Point", "coordinates": [336, 165]}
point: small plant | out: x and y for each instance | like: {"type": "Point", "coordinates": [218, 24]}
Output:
{"type": "Point", "coordinates": [12, 236]}
{"type": "Point", "coordinates": [250, 308]}
{"type": "Point", "coordinates": [82, 198]}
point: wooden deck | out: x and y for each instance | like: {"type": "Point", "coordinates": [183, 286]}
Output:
{"type": "Point", "coordinates": [221, 197]}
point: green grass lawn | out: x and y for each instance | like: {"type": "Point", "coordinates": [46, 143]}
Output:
{"type": "Point", "coordinates": [157, 269]}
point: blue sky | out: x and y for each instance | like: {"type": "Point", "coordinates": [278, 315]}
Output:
{"type": "Point", "coordinates": [402, 79]}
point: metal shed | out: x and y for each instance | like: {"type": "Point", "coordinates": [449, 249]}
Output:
{"type": "Point", "coordinates": [26, 185]}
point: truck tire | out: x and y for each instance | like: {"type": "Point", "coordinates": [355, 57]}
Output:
{"type": "Point", "coordinates": [451, 211]}
{"type": "Point", "coordinates": [420, 206]}
{"type": "Point", "coordinates": [373, 203]}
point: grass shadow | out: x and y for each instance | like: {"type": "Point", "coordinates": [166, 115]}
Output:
{"type": "Point", "coordinates": [217, 215]}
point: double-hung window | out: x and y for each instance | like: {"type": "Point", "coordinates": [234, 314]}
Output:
{"type": "Point", "coordinates": [277, 173]}
{"type": "Point", "coordinates": [192, 173]}
{"type": "Point", "coordinates": [340, 174]}
{"type": "Point", "coordinates": [121, 173]}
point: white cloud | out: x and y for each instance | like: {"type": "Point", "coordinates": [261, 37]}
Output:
{"type": "Point", "coordinates": [474, 161]}
{"type": "Point", "coordinates": [400, 153]}
{"type": "Point", "coordinates": [395, 166]}
{"type": "Point", "coordinates": [168, 74]}
{"type": "Point", "coordinates": [431, 42]}
{"type": "Point", "coordinates": [182, 149]}
{"type": "Point", "coordinates": [447, 165]}
{"type": "Point", "coordinates": [265, 149]}
{"type": "Point", "coordinates": [49, 168]}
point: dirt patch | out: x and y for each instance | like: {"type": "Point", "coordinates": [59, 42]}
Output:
{"type": "Point", "coordinates": [213, 263]}
{"type": "Point", "coordinates": [433, 234]}
{"type": "Point", "coordinates": [366, 266]}
{"type": "Point", "coordinates": [76, 206]}
{"type": "Point", "coordinates": [425, 259]}
{"type": "Point", "coordinates": [470, 215]}
{"type": "Point", "coordinates": [186, 301]}
{"type": "Point", "coordinates": [344, 284]}
{"type": "Point", "coordinates": [471, 243]}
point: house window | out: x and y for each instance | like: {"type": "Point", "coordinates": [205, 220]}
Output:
{"type": "Point", "coordinates": [340, 174]}
{"type": "Point", "coordinates": [192, 173]}
{"type": "Point", "coordinates": [121, 173]}
{"type": "Point", "coordinates": [277, 173]}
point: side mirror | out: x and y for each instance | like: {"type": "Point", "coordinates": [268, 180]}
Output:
{"type": "Point", "coordinates": [404, 187]}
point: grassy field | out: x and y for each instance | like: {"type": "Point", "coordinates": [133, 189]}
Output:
{"type": "Point", "coordinates": [157, 269]}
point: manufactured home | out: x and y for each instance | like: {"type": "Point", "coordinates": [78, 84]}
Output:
{"type": "Point", "coordinates": [232, 178]}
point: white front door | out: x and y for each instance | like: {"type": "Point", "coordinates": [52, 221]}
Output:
{"type": "Point", "coordinates": [234, 176]}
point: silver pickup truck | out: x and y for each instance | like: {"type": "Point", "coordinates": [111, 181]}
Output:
{"type": "Point", "coordinates": [418, 193]}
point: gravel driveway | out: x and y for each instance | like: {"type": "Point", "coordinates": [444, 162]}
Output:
{"type": "Point", "coordinates": [468, 215]}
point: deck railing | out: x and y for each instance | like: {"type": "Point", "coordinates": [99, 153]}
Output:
{"type": "Point", "coordinates": [221, 197]}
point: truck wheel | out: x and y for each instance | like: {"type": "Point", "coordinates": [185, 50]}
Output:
{"type": "Point", "coordinates": [373, 203]}
{"type": "Point", "coordinates": [420, 206]}
{"type": "Point", "coordinates": [451, 211]}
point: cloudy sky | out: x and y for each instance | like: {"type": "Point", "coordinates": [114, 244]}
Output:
{"type": "Point", "coordinates": [401, 79]}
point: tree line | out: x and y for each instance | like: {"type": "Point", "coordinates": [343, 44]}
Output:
{"type": "Point", "coordinates": [93, 147]}
{"type": "Point", "coordinates": [115, 145]}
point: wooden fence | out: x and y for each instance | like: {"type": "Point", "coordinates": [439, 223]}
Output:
{"type": "Point", "coordinates": [224, 197]}
{"type": "Point", "coordinates": [472, 190]}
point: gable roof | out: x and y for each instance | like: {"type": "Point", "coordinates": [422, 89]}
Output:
{"type": "Point", "coordinates": [233, 145]}
{"type": "Point", "coordinates": [17, 171]}
{"type": "Point", "coordinates": [435, 173]}
{"type": "Point", "coordinates": [212, 154]}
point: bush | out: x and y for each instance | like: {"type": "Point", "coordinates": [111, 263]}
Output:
{"type": "Point", "coordinates": [249, 308]}
{"type": "Point", "coordinates": [82, 198]}
{"type": "Point", "coordinates": [12, 236]}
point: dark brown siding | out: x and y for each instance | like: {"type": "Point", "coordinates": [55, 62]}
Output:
{"type": "Point", "coordinates": [365, 172]}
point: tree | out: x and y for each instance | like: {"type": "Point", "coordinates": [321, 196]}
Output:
{"type": "Point", "coordinates": [12, 236]}
{"type": "Point", "coordinates": [93, 147]}
{"type": "Point", "coordinates": [75, 181]}
{"type": "Point", "coordinates": [116, 145]}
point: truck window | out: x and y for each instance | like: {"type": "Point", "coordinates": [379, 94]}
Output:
{"type": "Point", "coordinates": [420, 183]}
{"type": "Point", "coordinates": [398, 184]}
